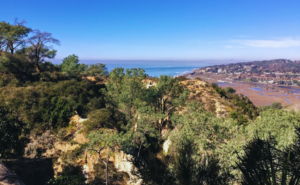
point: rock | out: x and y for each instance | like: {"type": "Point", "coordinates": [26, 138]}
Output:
{"type": "Point", "coordinates": [7, 177]}
{"type": "Point", "coordinates": [32, 171]}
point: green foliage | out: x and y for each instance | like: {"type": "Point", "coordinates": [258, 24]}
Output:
{"type": "Point", "coordinates": [181, 78]}
{"type": "Point", "coordinates": [240, 118]}
{"type": "Point", "coordinates": [278, 123]}
{"type": "Point", "coordinates": [101, 118]}
{"type": "Point", "coordinates": [15, 70]}
{"type": "Point", "coordinates": [49, 104]}
{"type": "Point", "coordinates": [104, 139]}
{"type": "Point", "coordinates": [209, 130]}
{"type": "Point", "coordinates": [116, 177]}
{"type": "Point", "coordinates": [68, 180]}
{"type": "Point", "coordinates": [242, 103]}
{"type": "Point", "coordinates": [263, 163]}
{"type": "Point", "coordinates": [230, 90]}
{"type": "Point", "coordinates": [153, 171]}
{"type": "Point", "coordinates": [191, 169]}
{"type": "Point", "coordinates": [125, 90]}
{"type": "Point", "coordinates": [39, 48]}
{"type": "Point", "coordinates": [276, 105]}
{"type": "Point", "coordinates": [168, 90]}
{"type": "Point", "coordinates": [143, 130]}
{"type": "Point", "coordinates": [12, 36]}
{"type": "Point", "coordinates": [71, 66]}
{"type": "Point", "coordinates": [108, 140]}
{"type": "Point", "coordinates": [96, 70]}
{"type": "Point", "coordinates": [10, 130]}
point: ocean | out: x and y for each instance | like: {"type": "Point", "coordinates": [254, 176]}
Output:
{"type": "Point", "coordinates": [157, 68]}
{"type": "Point", "coordinates": [157, 71]}
{"type": "Point", "coordinates": [154, 68]}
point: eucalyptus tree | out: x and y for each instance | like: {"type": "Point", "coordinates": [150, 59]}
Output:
{"type": "Point", "coordinates": [13, 36]}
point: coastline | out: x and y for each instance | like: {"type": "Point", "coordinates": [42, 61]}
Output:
{"type": "Point", "coordinates": [260, 94]}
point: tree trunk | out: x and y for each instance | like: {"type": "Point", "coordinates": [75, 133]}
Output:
{"type": "Point", "coordinates": [107, 169]}
{"type": "Point", "coordinates": [162, 105]}
{"type": "Point", "coordinates": [160, 122]}
{"type": "Point", "coordinates": [130, 113]}
{"type": "Point", "coordinates": [140, 149]}
{"type": "Point", "coordinates": [11, 47]}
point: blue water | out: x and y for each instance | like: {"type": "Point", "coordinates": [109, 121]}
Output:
{"type": "Point", "coordinates": [155, 67]}
{"type": "Point", "coordinates": [156, 70]}
{"type": "Point", "coordinates": [220, 83]}
{"type": "Point", "coordinates": [171, 71]}
{"type": "Point", "coordinates": [287, 100]}
{"type": "Point", "coordinates": [256, 89]}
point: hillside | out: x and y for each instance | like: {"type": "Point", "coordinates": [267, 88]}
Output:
{"type": "Point", "coordinates": [279, 71]}
{"type": "Point", "coordinates": [277, 65]}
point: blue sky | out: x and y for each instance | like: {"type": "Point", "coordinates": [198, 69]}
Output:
{"type": "Point", "coordinates": [165, 29]}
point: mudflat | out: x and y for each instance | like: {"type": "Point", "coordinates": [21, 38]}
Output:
{"type": "Point", "coordinates": [259, 94]}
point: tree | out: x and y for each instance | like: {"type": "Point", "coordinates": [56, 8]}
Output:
{"type": "Point", "coordinates": [124, 90]}
{"type": "Point", "coordinates": [263, 163]}
{"type": "Point", "coordinates": [39, 48]}
{"type": "Point", "coordinates": [143, 129]}
{"type": "Point", "coordinates": [230, 90]}
{"type": "Point", "coordinates": [100, 118]}
{"type": "Point", "coordinates": [191, 169]}
{"type": "Point", "coordinates": [168, 88]}
{"type": "Point", "coordinates": [96, 70]}
{"type": "Point", "coordinates": [71, 66]}
{"type": "Point", "coordinates": [67, 180]}
{"type": "Point", "coordinates": [276, 105]}
{"type": "Point", "coordinates": [13, 36]}
{"type": "Point", "coordinates": [10, 131]}
{"type": "Point", "coordinates": [104, 140]}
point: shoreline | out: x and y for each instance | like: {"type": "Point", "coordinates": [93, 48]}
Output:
{"type": "Point", "coordinates": [260, 94]}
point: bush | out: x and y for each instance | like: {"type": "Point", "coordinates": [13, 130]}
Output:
{"type": "Point", "coordinates": [181, 78]}
{"type": "Point", "coordinates": [230, 90]}
{"type": "Point", "coordinates": [98, 119]}
{"type": "Point", "coordinates": [10, 131]}
{"type": "Point", "coordinates": [68, 180]}
{"type": "Point", "coordinates": [276, 105]}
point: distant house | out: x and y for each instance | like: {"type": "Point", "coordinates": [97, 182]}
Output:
{"type": "Point", "coordinates": [208, 69]}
